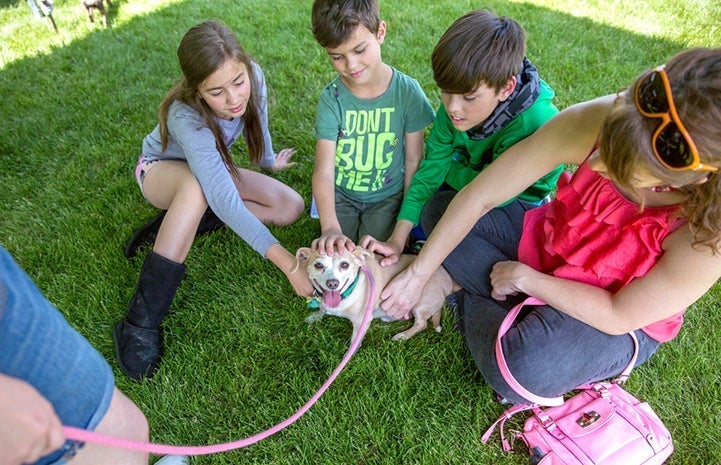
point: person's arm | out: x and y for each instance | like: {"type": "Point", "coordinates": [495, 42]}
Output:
{"type": "Point", "coordinates": [285, 261]}
{"type": "Point", "coordinates": [30, 428]}
{"type": "Point", "coordinates": [677, 280]}
{"type": "Point", "coordinates": [413, 156]}
{"type": "Point", "coordinates": [432, 170]}
{"type": "Point", "coordinates": [331, 234]}
{"type": "Point", "coordinates": [567, 138]}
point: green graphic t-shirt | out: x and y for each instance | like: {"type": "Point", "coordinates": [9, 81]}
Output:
{"type": "Point", "coordinates": [369, 134]}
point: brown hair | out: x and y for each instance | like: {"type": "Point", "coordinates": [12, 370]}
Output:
{"type": "Point", "coordinates": [625, 139]}
{"type": "Point", "coordinates": [478, 48]}
{"type": "Point", "coordinates": [202, 50]}
{"type": "Point", "coordinates": [334, 21]}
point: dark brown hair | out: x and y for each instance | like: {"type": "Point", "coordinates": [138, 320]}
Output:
{"type": "Point", "coordinates": [334, 21]}
{"type": "Point", "coordinates": [478, 48]}
{"type": "Point", "coordinates": [625, 139]}
{"type": "Point", "coordinates": [202, 50]}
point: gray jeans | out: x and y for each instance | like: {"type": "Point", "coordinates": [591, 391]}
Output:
{"type": "Point", "coordinates": [548, 352]}
{"type": "Point", "coordinates": [360, 218]}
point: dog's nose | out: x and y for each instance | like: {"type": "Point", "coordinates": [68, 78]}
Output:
{"type": "Point", "coordinates": [332, 284]}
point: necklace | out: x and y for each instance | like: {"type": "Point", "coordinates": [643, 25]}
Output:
{"type": "Point", "coordinates": [658, 189]}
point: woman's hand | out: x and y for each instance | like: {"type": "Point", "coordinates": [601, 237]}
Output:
{"type": "Point", "coordinates": [402, 293]}
{"type": "Point", "coordinates": [332, 240]}
{"type": "Point", "coordinates": [507, 277]}
{"type": "Point", "coordinates": [30, 428]}
{"type": "Point", "coordinates": [282, 160]}
{"type": "Point", "coordinates": [390, 251]}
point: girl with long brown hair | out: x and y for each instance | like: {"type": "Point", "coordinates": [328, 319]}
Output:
{"type": "Point", "coordinates": [186, 169]}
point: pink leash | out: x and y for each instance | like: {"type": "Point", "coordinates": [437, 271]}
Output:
{"type": "Point", "coordinates": [83, 435]}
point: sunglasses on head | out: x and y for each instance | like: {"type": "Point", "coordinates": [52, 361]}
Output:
{"type": "Point", "coordinates": [671, 143]}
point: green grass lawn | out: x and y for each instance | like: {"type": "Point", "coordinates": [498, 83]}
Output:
{"type": "Point", "coordinates": [239, 358]}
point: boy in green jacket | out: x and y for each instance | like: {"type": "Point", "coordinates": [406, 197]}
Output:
{"type": "Point", "coordinates": [492, 98]}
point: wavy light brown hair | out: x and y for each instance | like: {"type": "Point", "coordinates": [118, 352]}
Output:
{"type": "Point", "coordinates": [202, 50]}
{"type": "Point", "coordinates": [478, 48]}
{"type": "Point", "coordinates": [625, 140]}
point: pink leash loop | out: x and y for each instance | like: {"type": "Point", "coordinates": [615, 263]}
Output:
{"type": "Point", "coordinates": [83, 435]}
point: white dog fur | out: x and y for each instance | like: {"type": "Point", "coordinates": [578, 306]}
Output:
{"type": "Point", "coordinates": [344, 288]}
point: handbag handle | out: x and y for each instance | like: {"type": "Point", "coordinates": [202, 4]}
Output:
{"type": "Point", "coordinates": [511, 380]}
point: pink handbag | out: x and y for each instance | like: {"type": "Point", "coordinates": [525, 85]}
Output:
{"type": "Point", "coordinates": [601, 424]}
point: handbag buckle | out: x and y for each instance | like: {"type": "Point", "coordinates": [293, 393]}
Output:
{"type": "Point", "coordinates": [588, 418]}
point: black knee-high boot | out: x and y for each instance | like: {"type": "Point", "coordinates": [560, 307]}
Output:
{"type": "Point", "coordinates": [146, 234]}
{"type": "Point", "coordinates": [137, 337]}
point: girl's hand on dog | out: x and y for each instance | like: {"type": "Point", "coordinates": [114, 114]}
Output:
{"type": "Point", "coordinates": [282, 160]}
{"type": "Point", "coordinates": [286, 262]}
{"type": "Point", "coordinates": [301, 282]}
{"type": "Point", "coordinates": [332, 240]}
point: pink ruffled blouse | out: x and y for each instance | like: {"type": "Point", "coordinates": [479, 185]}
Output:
{"type": "Point", "coordinates": [593, 234]}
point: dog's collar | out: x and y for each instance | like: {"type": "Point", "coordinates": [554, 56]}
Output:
{"type": "Point", "coordinates": [350, 289]}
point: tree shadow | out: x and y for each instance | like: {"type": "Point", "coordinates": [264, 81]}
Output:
{"type": "Point", "coordinates": [10, 3]}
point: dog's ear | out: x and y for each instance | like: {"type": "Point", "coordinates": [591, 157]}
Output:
{"type": "Point", "coordinates": [361, 254]}
{"type": "Point", "coordinates": [301, 256]}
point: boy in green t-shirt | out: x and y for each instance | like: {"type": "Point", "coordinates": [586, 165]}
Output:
{"type": "Point", "coordinates": [489, 103]}
{"type": "Point", "coordinates": [369, 127]}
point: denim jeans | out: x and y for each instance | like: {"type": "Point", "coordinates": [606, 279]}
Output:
{"type": "Point", "coordinates": [38, 345]}
{"type": "Point", "coordinates": [548, 352]}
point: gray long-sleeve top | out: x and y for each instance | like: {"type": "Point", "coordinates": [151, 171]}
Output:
{"type": "Point", "coordinates": [191, 140]}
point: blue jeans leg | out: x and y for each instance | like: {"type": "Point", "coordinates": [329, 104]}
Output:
{"type": "Point", "coordinates": [38, 345]}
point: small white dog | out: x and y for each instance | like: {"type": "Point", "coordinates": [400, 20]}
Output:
{"type": "Point", "coordinates": [343, 288]}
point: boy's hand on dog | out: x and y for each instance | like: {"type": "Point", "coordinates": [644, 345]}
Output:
{"type": "Point", "coordinates": [282, 160]}
{"type": "Point", "coordinates": [390, 251]}
{"type": "Point", "coordinates": [332, 240]}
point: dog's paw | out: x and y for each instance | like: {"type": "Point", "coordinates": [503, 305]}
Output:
{"type": "Point", "coordinates": [400, 337]}
{"type": "Point", "coordinates": [439, 329]}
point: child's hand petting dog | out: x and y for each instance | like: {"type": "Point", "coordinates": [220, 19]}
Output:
{"type": "Point", "coordinates": [343, 289]}
{"type": "Point", "coordinates": [332, 240]}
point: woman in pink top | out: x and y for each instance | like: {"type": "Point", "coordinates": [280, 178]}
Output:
{"type": "Point", "coordinates": [627, 245]}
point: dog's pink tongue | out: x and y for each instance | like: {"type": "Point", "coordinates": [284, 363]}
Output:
{"type": "Point", "coordinates": [331, 299]}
